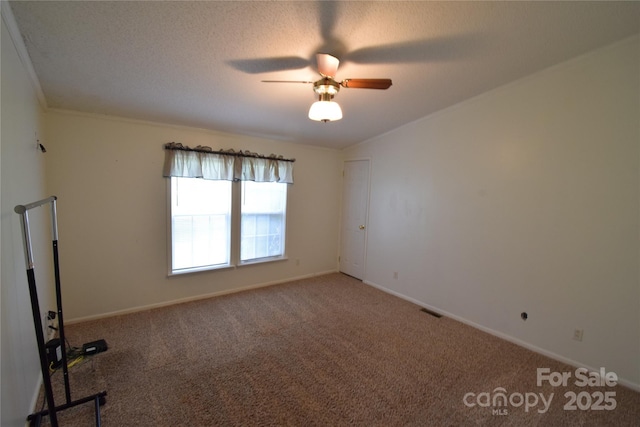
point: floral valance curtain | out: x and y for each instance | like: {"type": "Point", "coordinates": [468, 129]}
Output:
{"type": "Point", "coordinates": [229, 165]}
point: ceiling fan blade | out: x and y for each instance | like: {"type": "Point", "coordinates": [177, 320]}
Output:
{"type": "Point", "coordinates": [433, 49]}
{"type": "Point", "coordinates": [266, 65]}
{"type": "Point", "coordinates": [366, 83]}
{"type": "Point", "coordinates": [327, 64]}
{"type": "Point", "coordinates": [286, 81]}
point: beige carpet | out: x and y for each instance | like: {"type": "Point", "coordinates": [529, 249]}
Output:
{"type": "Point", "coordinates": [326, 351]}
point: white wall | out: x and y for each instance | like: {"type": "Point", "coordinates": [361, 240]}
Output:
{"type": "Point", "coordinates": [22, 181]}
{"type": "Point", "coordinates": [112, 206]}
{"type": "Point", "coordinates": [522, 199]}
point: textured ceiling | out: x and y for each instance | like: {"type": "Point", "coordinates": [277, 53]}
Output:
{"type": "Point", "coordinates": [201, 63]}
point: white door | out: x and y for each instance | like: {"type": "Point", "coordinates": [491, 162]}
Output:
{"type": "Point", "coordinates": [355, 205]}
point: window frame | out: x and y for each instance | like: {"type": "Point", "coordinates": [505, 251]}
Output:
{"type": "Point", "coordinates": [235, 235]}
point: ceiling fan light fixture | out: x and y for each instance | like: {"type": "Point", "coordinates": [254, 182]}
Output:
{"type": "Point", "coordinates": [325, 110]}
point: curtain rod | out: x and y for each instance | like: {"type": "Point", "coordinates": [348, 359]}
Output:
{"type": "Point", "coordinates": [229, 152]}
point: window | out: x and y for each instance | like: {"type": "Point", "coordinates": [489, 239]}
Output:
{"type": "Point", "coordinates": [203, 214]}
{"type": "Point", "coordinates": [263, 213]}
{"type": "Point", "coordinates": [200, 223]}
{"type": "Point", "coordinates": [227, 207]}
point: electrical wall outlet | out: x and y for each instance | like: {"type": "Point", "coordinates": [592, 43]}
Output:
{"type": "Point", "coordinates": [577, 334]}
{"type": "Point", "coordinates": [50, 324]}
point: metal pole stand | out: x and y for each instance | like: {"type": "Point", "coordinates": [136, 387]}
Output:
{"type": "Point", "coordinates": [99, 398]}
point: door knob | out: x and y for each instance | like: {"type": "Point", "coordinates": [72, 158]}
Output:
{"type": "Point", "coordinates": [361, 227]}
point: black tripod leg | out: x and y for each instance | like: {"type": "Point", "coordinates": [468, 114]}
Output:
{"type": "Point", "coordinates": [97, 406]}
{"type": "Point", "coordinates": [65, 368]}
{"type": "Point", "coordinates": [46, 379]}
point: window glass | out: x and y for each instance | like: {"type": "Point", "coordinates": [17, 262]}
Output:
{"type": "Point", "coordinates": [263, 212]}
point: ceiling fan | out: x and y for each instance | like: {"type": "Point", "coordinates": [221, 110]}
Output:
{"type": "Point", "coordinates": [326, 110]}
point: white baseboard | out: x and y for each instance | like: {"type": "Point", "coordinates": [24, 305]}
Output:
{"type": "Point", "coordinates": [193, 298]}
{"type": "Point", "coordinates": [528, 346]}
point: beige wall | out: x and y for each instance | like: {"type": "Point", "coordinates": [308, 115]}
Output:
{"type": "Point", "coordinates": [112, 205]}
{"type": "Point", "coordinates": [524, 199]}
{"type": "Point", "coordinates": [22, 181]}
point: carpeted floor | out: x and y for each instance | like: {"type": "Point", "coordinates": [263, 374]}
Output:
{"type": "Point", "coordinates": [325, 351]}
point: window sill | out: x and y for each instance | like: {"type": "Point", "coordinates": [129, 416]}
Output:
{"type": "Point", "coordinates": [200, 269]}
{"type": "Point", "coordinates": [263, 260]}
{"type": "Point", "coordinates": [227, 266]}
